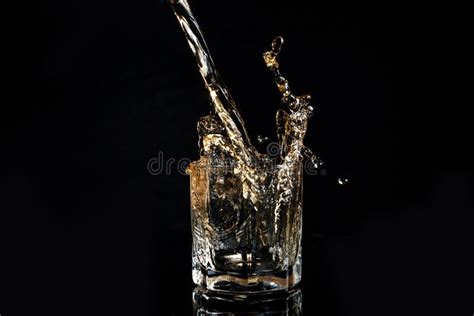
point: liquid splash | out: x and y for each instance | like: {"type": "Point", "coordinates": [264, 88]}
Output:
{"type": "Point", "coordinates": [255, 203]}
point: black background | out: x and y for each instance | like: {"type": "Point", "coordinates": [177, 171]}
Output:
{"type": "Point", "coordinates": [87, 230]}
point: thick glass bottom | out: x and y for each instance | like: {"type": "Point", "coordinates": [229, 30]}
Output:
{"type": "Point", "coordinates": [248, 283]}
{"type": "Point", "coordinates": [206, 302]}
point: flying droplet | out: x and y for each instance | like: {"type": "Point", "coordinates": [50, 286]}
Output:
{"type": "Point", "coordinates": [262, 139]}
{"type": "Point", "coordinates": [342, 181]}
{"type": "Point", "coordinates": [316, 161]}
{"type": "Point", "coordinates": [276, 45]}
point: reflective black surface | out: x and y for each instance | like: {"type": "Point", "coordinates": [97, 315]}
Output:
{"type": "Point", "coordinates": [105, 86]}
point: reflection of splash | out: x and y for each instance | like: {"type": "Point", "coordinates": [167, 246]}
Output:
{"type": "Point", "coordinates": [207, 303]}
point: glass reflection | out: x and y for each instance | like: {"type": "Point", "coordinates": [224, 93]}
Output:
{"type": "Point", "coordinates": [206, 303]}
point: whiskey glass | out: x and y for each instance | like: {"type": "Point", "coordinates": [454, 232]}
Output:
{"type": "Point", "coordinates": [237, 247]}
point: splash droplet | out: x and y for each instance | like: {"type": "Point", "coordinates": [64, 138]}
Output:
{"type": "Point", "coordinates": [343, 181]}
{"type": "Point", "coordinates": [277, 44]}
{"type": "Point", "coordinates": [316, 161]}
{"type": "Point", "coordinates": [262, 139]}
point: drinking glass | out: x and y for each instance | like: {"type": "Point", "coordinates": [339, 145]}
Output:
{"type": "Point", "coordinates": [244, 244]}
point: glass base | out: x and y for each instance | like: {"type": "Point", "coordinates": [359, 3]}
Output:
{"type": "Point", "coordinates": [281, 303]}
{"type": "Point", "coordinates": [252, 284]}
